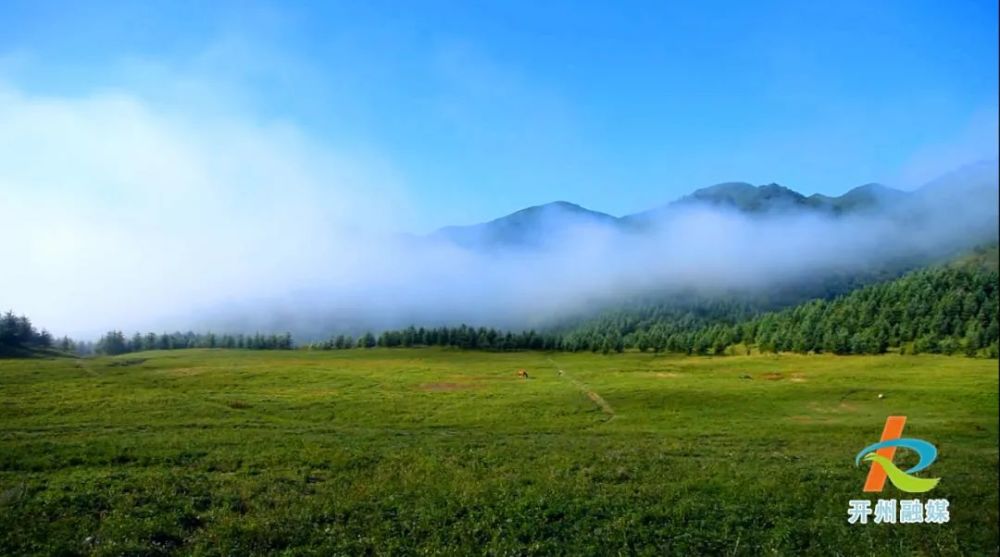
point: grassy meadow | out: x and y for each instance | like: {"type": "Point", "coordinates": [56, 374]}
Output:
{"type": "Point", "coordinates": [435, 451]}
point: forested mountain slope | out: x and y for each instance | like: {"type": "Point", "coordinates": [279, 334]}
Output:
{"type": "Point", "coordinates": [943, 309]}
{"type": "Point", "coordinates": [947, 308]}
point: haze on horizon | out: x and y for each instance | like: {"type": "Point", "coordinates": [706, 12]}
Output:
{"type": "Point", "coordinates": [155, 174]}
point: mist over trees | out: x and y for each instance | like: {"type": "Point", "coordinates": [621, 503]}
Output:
{"type": "Point", "coordinates": [19, 336]}
{"type": "Point", "coordinates": [941, 310]}
{"type": "Point", "coordinates": [115, 342]}
{"type": "Point", "coordinates": [529, 269]}
{"type": "Point", "coordinates": [949, 309]}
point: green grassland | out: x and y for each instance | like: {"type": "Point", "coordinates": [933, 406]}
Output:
{"type": "Point", "coordinates": [434, 451]}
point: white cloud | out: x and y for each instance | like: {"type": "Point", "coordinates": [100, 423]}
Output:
{"type": "Point", "coordinates": [119, 214]}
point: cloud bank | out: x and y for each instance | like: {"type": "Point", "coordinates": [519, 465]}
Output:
{"type": "Point", "coordinates": [120, 213]}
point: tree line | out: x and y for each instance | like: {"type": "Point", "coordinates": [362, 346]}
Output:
{"type": "Point", "coordinates": [462, 336]}
{"type": "Point", "coordinates": [18, 334]}
{"type": "Point", "coordinates": [944, 310]}
{"type": "Point", "coordinates": [115, 342]}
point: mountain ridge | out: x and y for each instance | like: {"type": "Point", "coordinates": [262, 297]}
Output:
{"type": "Point", "coordinates": [522, 227]}
{"type": "Point", "coordinates": [547, 224]}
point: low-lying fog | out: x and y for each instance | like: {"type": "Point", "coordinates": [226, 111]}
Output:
{"type": "Point", "coordinates": [116, 215]}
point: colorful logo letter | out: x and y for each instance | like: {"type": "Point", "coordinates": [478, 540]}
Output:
{"type": "Point", "coordinates": [881, 454]}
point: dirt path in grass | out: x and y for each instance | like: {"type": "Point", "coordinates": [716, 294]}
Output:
{"type": "Point", "coordinates": [80, 364]}
{"type": "Point", "coordinates": [591, 394]}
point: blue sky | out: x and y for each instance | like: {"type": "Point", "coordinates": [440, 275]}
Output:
{"type": "Point", "coordinates": [478, 109]}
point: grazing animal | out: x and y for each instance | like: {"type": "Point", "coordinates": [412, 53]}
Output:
{"type": "Point", "coordinates": [523, 374]}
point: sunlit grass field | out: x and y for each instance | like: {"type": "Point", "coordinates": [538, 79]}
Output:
{"type": "Point", "coordinates": [428, 451]}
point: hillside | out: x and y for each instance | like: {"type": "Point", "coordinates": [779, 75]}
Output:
{"type": "Point", "coordinates": [945, 309]}
{"type": "Point", "coordinates": [974, 186]}
{"type": "Point", "coordinates": [862, 198]}
{"type": "Point", "coordinates": [948, 308]}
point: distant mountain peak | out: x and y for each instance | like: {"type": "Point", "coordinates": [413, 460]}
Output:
{"type": "Point", "coordinates": [550, 206]}
{"type": "Point", "coordinates": [725, 187]}
{"type": "Point", "coordinates": [563, 204]}
{"type": "Point", "coordinates": [865, 197]}
{"type": "Point", "coordinates": [746, 197]}
{"type": "Point", "coordinates": [531, 226]}
{"type": "Point", "coordinates": [873, 188]}
{"type": "Point", "coordinates": [549, 209]}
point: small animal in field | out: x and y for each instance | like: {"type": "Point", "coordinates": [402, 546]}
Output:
{"type": "Point", "coordinates": [522, 373]}
{"type": "Point", "coordinates": [560, 372]}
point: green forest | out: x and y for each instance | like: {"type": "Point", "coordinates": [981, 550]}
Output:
{"type": "Point", "coordinates": [945, 310]}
